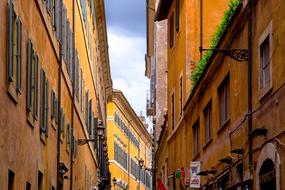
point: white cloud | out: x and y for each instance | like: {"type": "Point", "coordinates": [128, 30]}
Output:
{"type": "Point", "coordinates": [128, 68]}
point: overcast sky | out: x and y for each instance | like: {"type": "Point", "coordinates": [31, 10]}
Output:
{"type": "Point", "coordinates": [126, 27]}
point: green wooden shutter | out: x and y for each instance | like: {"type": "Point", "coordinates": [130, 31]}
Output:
{"type": "Point", "coordinates": [36, 86]}
{"type": "Point", "coordinates": [89, 117]}
{"type": "Point", "coordinates": [19, 55]}
{"type": "Point", "coordinates": [64, 33]}
{"type": "Point", "coordinates": [57, 18]}
{"type": "Point", "coordinates": [68, 47]}
{"type": "Point", "coordinates": [76, 74]}
{"type": "Point", "coordinates": [46, 106]}
{"type": "Point", "coordinates": [29, 75]}
{"type": "Point", "coordinates": [10, 31]}
{"type": "Point", "coordinates": [42, 101]}
{"type": "Point", "coordinates": [56, 111]}
{"type": "Point", "coordinates": [52, 108]}
{"type": "Point", "coordinates": [71, 55]}
{"type": "Point", "coordinates": [86, 108]}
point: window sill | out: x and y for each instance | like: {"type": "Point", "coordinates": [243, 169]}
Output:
{"type": "Point", "coordinates": [264, 92]}
{"type": "Point", "coordinates": [31, 119]}
{"type": "Point", "coordinates": [208, 143]}
{"type": "Point", "coordinates": [223, 126]}
{"type": "Point", "coordinates": [196, 156]}
{"type": "Point", "coordinates": [13, 94]}
{"type": "Point", "coordinates": [43, 138]}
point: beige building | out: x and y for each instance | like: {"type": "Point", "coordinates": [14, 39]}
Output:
{"type": "Point", "coordinates": [55, 82]}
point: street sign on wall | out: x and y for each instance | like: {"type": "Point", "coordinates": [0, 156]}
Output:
{"type": "Point", "coordinates": [194, 178]}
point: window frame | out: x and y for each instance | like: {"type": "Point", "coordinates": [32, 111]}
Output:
{"type": "Point", "coordinates": [171, 31]}
{"type": "Point", "coordinates": [196, 137]}
{"type": "Point", "coordinates": [208, 119]}
{"type": "Point", "coordinates": [224, 101]}
{"type": "Point", "coordinates": [267, 33]}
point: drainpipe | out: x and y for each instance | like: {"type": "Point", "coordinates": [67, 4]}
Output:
{"type": "Point", "coordinates": [59, 99]}
{"type": "Point", "coordinates": [250, 140]}
{"type": "Point", "coordinates": [201, 28]}
{"type": "Point", "coordinates": [73, 93]}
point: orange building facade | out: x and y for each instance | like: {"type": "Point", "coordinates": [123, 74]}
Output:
{"type": "Point", "coordinates": [55, 82]}
{"type": "Point", "coordinates": [231, 122]}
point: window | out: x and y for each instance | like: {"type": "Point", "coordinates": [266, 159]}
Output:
{"type": "Point", "coordinates": [180, 95]}
{"type": "Point", "coordinates": [11, 176]}
{"type": "Point", "coordinates": [171, 31]}
{"type": "Point", "coordinates": [86, 108]}
{"type": "Point", "coordinates": [208, 122]}
{"type": "Point", "coordinates": [177, 15]}
{"type": "Point", "coordinates": [40, 180]}
{"type": "Point", "coordinates": [14, 52]}
{"type": "Point", "coordinates": [265, 64]}
{"type": "Point", "coordinates": [172, 111]}
{"type": "Point", "coordinates": [196, 133]}
{"type": "Point", "coordinates": [28, 186]}
{"type": "Point", "coordinates": [224, 100]}
{"type": "Point", "coordinates": [62, 127]}
{"type": "Point", "coordinates": [32, 82]}
{"type": "Point", "coordinates": [64, 33]}
{"type": "Point", "coordinates": [76, 83]}
{"type": "Point", "coordinates": [54, 108]}
{"type": "Point", "coordinates": [44, 91]}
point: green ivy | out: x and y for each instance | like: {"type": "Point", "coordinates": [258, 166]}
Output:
{"type": "Point", "coordinates": [201, 65]}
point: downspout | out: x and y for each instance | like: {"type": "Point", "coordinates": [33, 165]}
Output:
{"type": "Point", "coordinates": [250, 140]}
{"type": "Point", "coordinates": [59, 98]}
{"type": "Point", "coordinates": [73, 93]}
{"type": "Point", "coordinates": [201, 28]}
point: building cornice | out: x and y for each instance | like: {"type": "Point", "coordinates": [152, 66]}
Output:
{"type": "Point", "coordinates": [120, 100]}
{"type": "Point", "coordinates": [103, 46]}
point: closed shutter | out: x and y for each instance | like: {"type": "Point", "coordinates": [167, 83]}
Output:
{"type": "Point", "coordinates": [36, 87]}
{"type": "Point", "coordinates": [76, 74]}
{"type": "Point", "coordinates": [92, 135]}
{"type": "Point", "coordinates": [29, 75]}
{"type": "Point", "coordinates": [46, 106]}
{"type": "Point", "coordinates": [90, 117]}
{"type": "Point", "coordinates": [19, 55]}
{"type": "Point", "coordinates": [71, 55]}
{"type": "Point", "coordinates": [68, 47]}
{"type": "Point", "coordinates": [10, 40]}
{"type": "Point", "coordinates": [57, 18]}
{"type": "Point", "coordinates": [42, 101]}
{"type": "Point", "coordinates": [53, 14]}
{"type": "Point", "coordinates": [64, 33]}
{"type": "Point", "coordinates": [52, 112]}
{"type": "Point", "coordinates": [86, 108]}
{"type": "Point", "coordinates": [56, 110]}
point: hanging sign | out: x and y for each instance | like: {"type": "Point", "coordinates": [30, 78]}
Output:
{"type": "Point", "coordinates": [194, 178]}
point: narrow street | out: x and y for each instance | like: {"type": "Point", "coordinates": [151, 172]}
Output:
{"type": "Point", "coordinates": [142, 94]}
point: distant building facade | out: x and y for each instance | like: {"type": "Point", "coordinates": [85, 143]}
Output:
{"type": "Point", "coordinates": [128, 143]}
{"type": "Point", "coordinates": [55, 82]}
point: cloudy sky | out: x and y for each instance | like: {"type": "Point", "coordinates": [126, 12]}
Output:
{"type": "Point", "coordinates": [127, 46]}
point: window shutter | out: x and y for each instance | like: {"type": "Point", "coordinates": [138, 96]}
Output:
{"type": "Point", "coordinates": [10, 40]}
{"type": "Point", "coordinates": [86, 108]}
{"type": "Point", "coordinates": [68, 134]}
{"type": "Point", "coordinates": [52, 109]}
{"type": "Point", "coordinates": [68, 47]}
{"type": "Point", "coordinates": [53, 14]}
{"type": "Point", "coordinates": [42, 101]}
{"type": "Point", "coordinates": [56, 110]}
{"type": "Point", "coordinates": [19, 56]}
{"type": "Point", "coordinates": [90, 117]}
{"type": "Point", "coordinates": [81, 89]}
{"type": "Point", "coordinates": [92, 135]}
{"type": "Point", "coordinates": [76, 74]}
{"type": "Point", "coordinates": [64, 33]}
{"type": "Point", "coordinates": [36, 86]}
{"type": "Point", "coordinates": [46, 106]}
{"type": "Point", "coordinates": [57, 18]}
{"type": "Point", "coordinates": [29, 75]}
{"type": "Point", "coordinates": [71, 55]}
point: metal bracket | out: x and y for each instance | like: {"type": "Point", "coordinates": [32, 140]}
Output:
{"type": "Point", "coordinates": [85, 141]}
{"type": "Point", "coordinates": [240, 55]}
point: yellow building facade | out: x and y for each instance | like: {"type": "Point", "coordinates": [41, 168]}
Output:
{"type": "Point", "coordinates": [55, 81]}
{"type": "Point", "coordinates": [129, 144]}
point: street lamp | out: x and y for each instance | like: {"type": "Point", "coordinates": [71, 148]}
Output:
{"type": "Point", "coordinates": [100, 128]}
{"type": "Point", "coordinates": [141, 161]}
{"type": "Point", "coordinates": [114, 182]}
